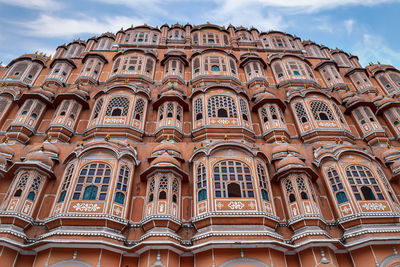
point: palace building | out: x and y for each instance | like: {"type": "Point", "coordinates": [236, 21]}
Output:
{"type": "Point", "coordinates": [199, 145]}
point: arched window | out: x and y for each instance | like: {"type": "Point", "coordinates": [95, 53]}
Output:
{"type": "Point", "coordinates": [232, 178]}
{"type": "Point", "coordinates": [337, 186]}
{"type": "Point", "coordinates": [34, 189]}
{"type": "Point", "coordinates": [339, 113]}
{"type": "Point", "coordinates": [121, 185]}
{"type": "Point", "coordinates": [151, 190]}
{"type": "Point", "coordinates": [363, 183]}
{"type": "Point", "coordinates": [262, 178]}
{"type": "Point", "coordinates": [321, 111]}
{"type": "Point", "coordinates": [395, 78]}
{"type": "Point", "coordinates": [290, 191]}
{"type": "Point", "coordinates": [31, 196]}
{"type": "Point", "coordinates": [302, 188]}
{"type": "Point", "coordinates": [301, 113]}
{"type": "Point", "coordinates": [198, 109]}
{"type": "Point", "coordinates": [196, 65]}
{"type": "Point", "coordinates": [264, 115]}
{"type": "Point", "coordinates": [18, 70]}
{"type": "Point", "coordinates": [278, 70]}
{"type": "Point", "coordinates": [21, 185]}
{"type": "Point", "coordinates": [175, 190]}
{"type": "Point", "coordinates": [139, 109]}
{"type": "Point", "coordinates": [163, 188]}
{"type": "Point", "coordinates": [170, 109]}
{"type": "Point", "coordinates": [233, 66]}
{"type": "Point", "coordinates": [97, 108]}
{"type": "Point", "coordinates": [244, 110]}
{"type": "Point", "coordinates": [201, 182]}
{"type": "Point", "coordinates": [118, 106]}
{"type": "Point", "coordinates": [216, 63]}
{"type": "Point", "coordinates": [221, 106]}
{"type": "Point", "coordinates": [66, 183]}
{"type": "Point", "coordinates": [91, 177]}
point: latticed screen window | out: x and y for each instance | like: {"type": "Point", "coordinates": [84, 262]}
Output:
{"type": "Point", "coordinates": [302, 188]}
{"type": "Point", "coordinates": [295, 68]}
{"type": "Point", "coordinates": [321, 111]}
{"type": "Point", "coordinates": [34, 189]}
{"type": "Point", "coordinates": [290, 191]}
{"type": "Point", "coordinates": [262, 177]}
{"type": "Point", "coordinates": [163, 188]}
{"type": "Point", "coordinates": [210, 38]}
{"type": "Point", "coordinates": [201, 182]}
{"type": "Point", "coordinates": [17, 72]}
{"type": "Point", "coordinates": [214, 63]}
{"type": "Point", "coordinates": [301, 112]}
{"type": "Point", "coordinates": [338, 113]}
{"type": "Point", "coordinates": [97, 109]}
{"type": "Point", "coordinates": [385, 83]}
{"type": "Point", "coordinates": [93, 182]}
{"type": "Point", "coordinates": [139, 109]}
{"type": "Point", "coordinates": [395, 78]}
{"type": "Point", "coordinates": [221, 106]}
{"type": "Point", "coordinates": [279, 41]}
{"type": "Point", "coordinates": [393, 115]}
{"type": "Point", "coordinates": [244, 110]}
{"type": "Point", "coordinates": [133, 63]}
{"type": "Point", "coordinates": [278, 70]}
{"type": "Point", "coordinates": [264, 115]}
{"type": "Point", "coordinates": [232, 179]}
{"type": "Point", "coordinates": [118, 106]}
{"type": "Point", "coordinates": [196, 65]}
{"type": "Point", "coordinates": [387, 185]}
{"type": "Point", "coordinates": [121, 185]}
{"type": "Point", "coordinates": [21, 185]}
{"type": "Point", "coordinates": [233, 66]}
{"type": "Point", "coordinates": [66, 183]}
{"type": "Point", "coordinates": [198, 109]}
{"type": "Point", "coordinates": [151, 190]}
{"type": "Point", "coordinates": [175, 190]}
{"type": "Point", "coordinates": [363, 183]}
{"type": "Point", "coordinates": [337, 186]}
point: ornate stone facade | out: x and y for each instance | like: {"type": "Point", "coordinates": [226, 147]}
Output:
{"type": "Point", "coordinates": [199, 146]}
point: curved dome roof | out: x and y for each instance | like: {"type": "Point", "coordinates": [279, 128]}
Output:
{"type": "Point", "coordinates": [6, 149]}
{"type": "Point", "coordinates": [46, 146]}
{"type": "Point", "coordinates": [40, 157]}
{"type": "Point", "coordinates": [166, 146]}
{"type": "Point", "coordinates": [289, 160]}
{"type": "Point", "coordinates": [165, 158]}
{"type": "Point", "coordinates": [278, 148]}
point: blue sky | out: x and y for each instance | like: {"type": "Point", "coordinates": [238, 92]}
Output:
{"type": "Point", "coordinates": [366, 28]}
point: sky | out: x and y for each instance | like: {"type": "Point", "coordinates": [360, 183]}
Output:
{"type": "Point", "coordinates": [366, 28]}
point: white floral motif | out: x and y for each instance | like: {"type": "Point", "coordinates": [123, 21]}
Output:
{"type": "Point", "coordinates": [374, 206]}
{"type": "Point", "coordinates": [86, 207]}
{"type": "Point", "coordinates": [235, 205]}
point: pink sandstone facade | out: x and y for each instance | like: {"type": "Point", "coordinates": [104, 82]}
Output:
{"type": "Point", "coordinates": [199, 145]}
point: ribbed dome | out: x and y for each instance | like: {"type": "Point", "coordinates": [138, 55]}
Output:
{"type": "Point", "coordinates": [279, 148]}
{"type": "Point", "coordinates": [78, 92]}
{"type": "Point", "coordinates": [390, 152]}
{"type": "Point", "coordinates": [166, 146]}
{"type": "Point", "coordinates": [40, 90]}
{"type": "Point", "coordinates": [289, 160]}
{"type": "Point", "coordinates": [384, 101]}
{"type": "Point", "coordinates": [165, 158]}
{"type": "Point", "coordinates": [264, 95]}
{"type": "Point", "coordinates": [40, 157]}
{"type": "Point", "coordinates": [6, 149]}
{"type": "Point", "coordinates": [46, 146]}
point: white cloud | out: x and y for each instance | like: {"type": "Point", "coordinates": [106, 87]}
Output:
{"type": "Point", "coordinates": [52, 26]}
{"type": "Point", "coordinates": [349, 24]}
{"type": "Point", "coordinates": [34, 4]}
{"type": "Point", "coordinates": [373, 48]}
{"type": "Point", "coordinates": [298, 5]}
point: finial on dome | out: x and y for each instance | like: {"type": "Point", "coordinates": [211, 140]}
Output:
{"type": "Point", "coordinates": [6, 140]}
{"type": "Point", "coordinates": [108, 136]}
{"type": "Point", "coordinates": [388, 145]}
{"type": "Point", "coordinates": [49, 139]}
